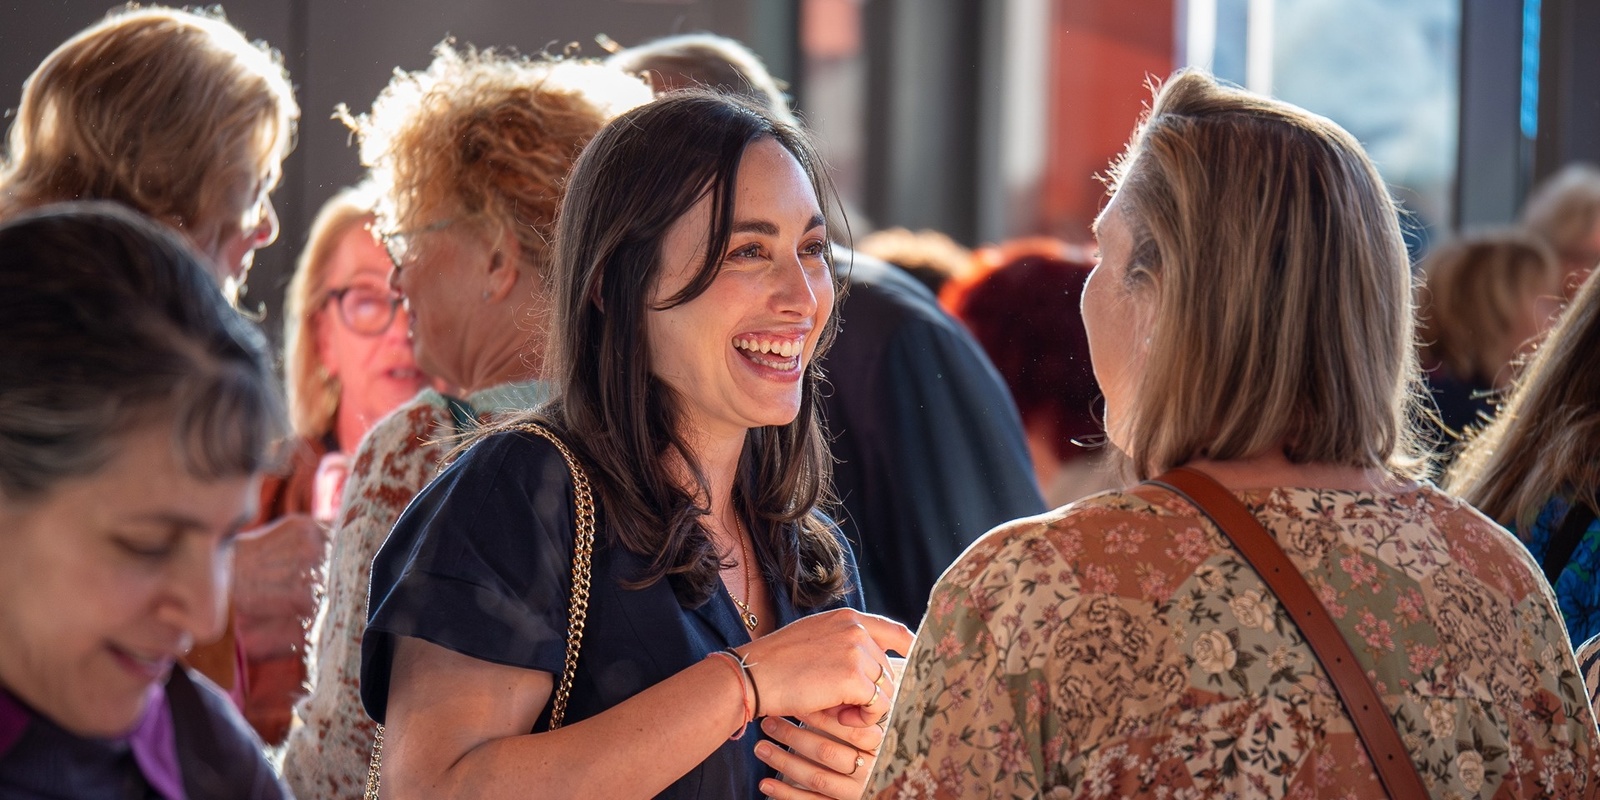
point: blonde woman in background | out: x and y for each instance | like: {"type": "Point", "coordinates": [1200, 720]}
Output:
{"type": "Point", "coordinates": [1564, 212]}
{"type": "Point", "coordinates": [348, 362]}
{"type": "Point", "coordinates": [1536, 469]}
{"type": "Point", "coordinates": [468, 157]}
{"type": "Point", "coordinates": [97, 122]}
{"type": "Point", "coordinates": [1485, 302]}
{"type": "Point", "coordinates": [1250, 318]}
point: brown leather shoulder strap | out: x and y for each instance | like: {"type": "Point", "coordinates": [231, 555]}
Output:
{"type": "Point", "coordinates": [1372, 721]}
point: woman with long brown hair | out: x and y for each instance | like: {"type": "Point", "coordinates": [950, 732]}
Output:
{"type": "Point", "coordinates": [692, 295]}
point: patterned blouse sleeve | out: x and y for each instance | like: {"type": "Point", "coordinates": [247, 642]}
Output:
{"type": "Point", "coordinates": [326, 756]}
{"type": "Point", "coordinates": [973, 715]}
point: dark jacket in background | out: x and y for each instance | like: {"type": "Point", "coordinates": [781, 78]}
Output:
{"type": "Point", "coordinates": [928, 442]}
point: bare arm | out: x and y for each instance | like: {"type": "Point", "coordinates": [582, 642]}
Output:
{"type": "Point", "coordinates": [458, 726]}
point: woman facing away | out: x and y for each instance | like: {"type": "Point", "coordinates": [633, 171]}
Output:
{"type": "Point", "coordinates": [137, 416]}
{"type": "Point", "coordinates": [1250, 318]}
{"type": "Point", "coordinates": [1536, 469]}
{"type": "Point", "coordinates": [468, 158]}
{"type": "Point", "coordinates": [693, 295]}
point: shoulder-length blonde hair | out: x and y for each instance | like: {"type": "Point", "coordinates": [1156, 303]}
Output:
{"type": "Point", "coordinates": [1474, 289]}
{"type": "Point", "coordinates": [173, 113]}
{"type": "Point", "coordinates": [1546, 439]}
{"type": "Point", "coordinates": [313, 393]}
{"type": "Point", "coordinates": [1280, 284]}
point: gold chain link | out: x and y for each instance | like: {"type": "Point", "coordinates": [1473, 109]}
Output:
{"type": "Point", "coordinates": [577, 611]}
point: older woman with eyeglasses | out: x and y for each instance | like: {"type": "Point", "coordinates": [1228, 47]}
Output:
{"type": "Point", "coordinates": [469, 157]}
{"type": "Point", "coordinates": [348, 363]}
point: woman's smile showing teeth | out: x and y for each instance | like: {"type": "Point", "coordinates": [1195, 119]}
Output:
{"type": "Point", "coordinates": [773, 353]}
{"type": "Point", "coordinates": [737, 353]}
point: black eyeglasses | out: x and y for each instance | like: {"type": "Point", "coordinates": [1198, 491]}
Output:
{"type": "Point", "coordinates": [366, 310]}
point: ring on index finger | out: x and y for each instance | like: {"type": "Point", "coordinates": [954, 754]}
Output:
{"type": "Point", "coordinates": [882, 671]}
{"type": "Point", "coordinates": [860, 760]}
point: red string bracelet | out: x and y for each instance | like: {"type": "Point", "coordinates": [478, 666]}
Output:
{"type": "Point", "coordinates": [744, 690]}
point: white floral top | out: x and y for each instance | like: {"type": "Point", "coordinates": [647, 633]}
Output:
{"type": "Point", "coordinates": [1120, 647]}
{"type": "Point", "coordinates": [330, 741]}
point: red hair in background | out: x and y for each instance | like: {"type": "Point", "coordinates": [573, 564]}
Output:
{"type": "Point", "coordinates": [1021, 303]}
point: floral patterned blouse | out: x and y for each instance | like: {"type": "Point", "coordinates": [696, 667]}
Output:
{"type": "Point", "coordinates": [1120, 647]}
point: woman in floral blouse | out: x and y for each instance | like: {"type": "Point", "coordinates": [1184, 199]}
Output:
{"type": "Point", "coordinates": [1250, 318]}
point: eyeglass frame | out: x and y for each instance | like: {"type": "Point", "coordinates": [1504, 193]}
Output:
{"type": "Point", "coordinates": [396, 244]}
{"type": "Point", "coordinates": [336, 296]}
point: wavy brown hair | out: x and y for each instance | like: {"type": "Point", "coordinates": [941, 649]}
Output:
{"type": "Point", "coordinates": [641, 174]}
{"type": "Point", "coordinates": [1546, 439]}
{"type": "Point", "coordinates": [486, 135]}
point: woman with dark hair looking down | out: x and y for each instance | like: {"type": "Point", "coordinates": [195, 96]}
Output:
{"type": "Point", "coordinates": [137, 417]}
{"type": "Point", "coordinates": [692, 295]}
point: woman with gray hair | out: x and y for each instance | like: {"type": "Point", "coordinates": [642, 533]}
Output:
{"type": "Point", "coordinates": [1250, 320]}
{"type": "Point", "coordinates": [137, 416]}
{"type": "Point", "coordinates": [97, 121]}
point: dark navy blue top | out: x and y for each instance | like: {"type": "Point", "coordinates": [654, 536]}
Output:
{"type": "Point", "coordinates": [480, 563]}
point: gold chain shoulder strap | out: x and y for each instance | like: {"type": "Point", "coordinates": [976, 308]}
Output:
{"type": "Point", "coordinates": [577, 609]}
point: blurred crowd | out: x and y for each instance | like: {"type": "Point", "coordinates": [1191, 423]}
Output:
{"type": "Point", "coordinates": [602, 463]}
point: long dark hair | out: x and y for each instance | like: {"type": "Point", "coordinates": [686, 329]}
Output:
{"type": "Point", "coordinates": [636, 178]}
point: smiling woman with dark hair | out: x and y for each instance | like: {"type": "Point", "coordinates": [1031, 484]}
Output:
{"type": "Point", "coordinates": [692, 297]}
{"type": "Point", "coordinates": [135, 422]}
{"type": "Point", "coordinates": [467, 158]}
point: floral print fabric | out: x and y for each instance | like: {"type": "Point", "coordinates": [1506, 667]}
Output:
{"type": "Point", "coordinates": [1121, 647]}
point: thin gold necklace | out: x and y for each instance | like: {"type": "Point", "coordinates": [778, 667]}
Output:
{"type": "Point", "coordinates": [746, 616]}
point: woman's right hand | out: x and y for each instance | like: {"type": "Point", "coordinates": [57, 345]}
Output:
{"type": "Point", "coordinates": [831, 660]}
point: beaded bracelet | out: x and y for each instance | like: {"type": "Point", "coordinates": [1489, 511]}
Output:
{"type": "Point", "coordinates": [744, 681]}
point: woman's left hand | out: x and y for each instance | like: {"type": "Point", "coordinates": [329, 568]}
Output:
{"type": "Point", "coordinates": [826, 758]}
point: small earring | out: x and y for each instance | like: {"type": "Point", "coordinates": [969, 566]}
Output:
{"type": "Point", "coordinates": [486, 294]}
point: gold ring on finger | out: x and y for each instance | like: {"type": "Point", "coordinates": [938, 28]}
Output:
{"type": "Point", "coordinates": [882, 671]}
{"type": "Point", "coordinates": [860, 760]}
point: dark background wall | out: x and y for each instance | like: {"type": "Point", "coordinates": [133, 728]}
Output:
{"type": "Point", "coordinates": [345, 50]}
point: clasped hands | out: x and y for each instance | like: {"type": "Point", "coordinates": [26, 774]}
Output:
{"type": "Point", "coordinates": [830, 754]}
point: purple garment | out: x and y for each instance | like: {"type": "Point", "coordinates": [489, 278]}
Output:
{"type": "Point", "coordinates": [13, 722]}
{"type": "Point", "coordinates": [153, 741]}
